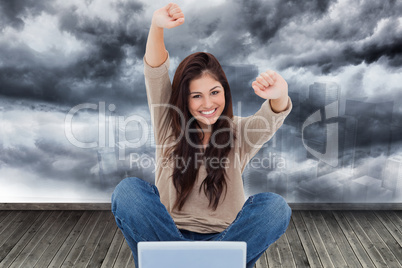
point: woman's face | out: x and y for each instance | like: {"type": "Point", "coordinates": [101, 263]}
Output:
{"type": "Point", "coordinates": [206, 100]}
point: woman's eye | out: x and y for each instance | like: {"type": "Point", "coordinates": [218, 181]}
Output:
{"type": "Point", "coordinates": [213, 93]}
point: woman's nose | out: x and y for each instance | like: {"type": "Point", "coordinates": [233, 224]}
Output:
{"type": "Point", "coordinates": [207, 102]}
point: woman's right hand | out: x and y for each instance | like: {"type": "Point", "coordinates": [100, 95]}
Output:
{"type": "Point", "coordinates": [168, 17]}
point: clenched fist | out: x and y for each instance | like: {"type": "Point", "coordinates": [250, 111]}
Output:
{"type": "Point", "coordinates": [270, 85]}
{"type": "Point", "coordinates": [168, 17]}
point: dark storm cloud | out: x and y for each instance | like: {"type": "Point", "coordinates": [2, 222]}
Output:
{"type": "Point", "coordinates": [36, 80]}
{"type": "Point", "coordinates": [39, 159]}
{"type": "Point", "coordinates": [98, 74]}
{"type": "Point", "coordinates": [386, 45]}
{"type": "Point", "coordinates": [320, 36]}
{"type": "Point", "coordinates": [13, 12]}
{"type": "Point", "coordinates": [357, 21]}
{"type": "Point", "coordinates": [108, 40]}
{"type": "Point", "coordinates": [342, 33]}
{"type": "Point", "coordinates": [231, 31]}
{"type": "Point", "coordinates": [24, 75]}
{"type": "Point", "coordinates": [264, 19]}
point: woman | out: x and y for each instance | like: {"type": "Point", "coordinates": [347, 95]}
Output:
{"type": "Point", "coordinates": [202, 150]}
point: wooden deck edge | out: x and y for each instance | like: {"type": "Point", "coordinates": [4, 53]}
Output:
{"type": "Point", "coordinates": [346, 206]}
{"type": "Point", "coordinates": [55, 206]}
{"type": "Point", "coordinates": [294, 206]}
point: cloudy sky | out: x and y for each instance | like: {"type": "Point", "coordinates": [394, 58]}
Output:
{"type": "Point", "coordinates": [55, 55]}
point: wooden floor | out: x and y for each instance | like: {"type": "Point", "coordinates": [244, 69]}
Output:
{"type": "Point", "coordinates": [92, 239]}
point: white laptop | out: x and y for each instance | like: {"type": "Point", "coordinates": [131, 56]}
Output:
{"type": "Point", "coordinates": [192, 254]}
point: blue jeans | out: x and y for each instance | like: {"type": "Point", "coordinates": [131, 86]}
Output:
{"type": "Point", "coordinates": [141, 216]}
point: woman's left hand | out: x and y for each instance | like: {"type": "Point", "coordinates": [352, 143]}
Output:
{"type": "Point", "coordinates": [270, 85]}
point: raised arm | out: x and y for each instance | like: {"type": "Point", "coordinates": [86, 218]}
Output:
{"type": "Point", "coordinates": [169, 17]}
{"type": "Point", "coordinates": [259, 128]}
{"type": "Point", "coordinates": [271, 85]}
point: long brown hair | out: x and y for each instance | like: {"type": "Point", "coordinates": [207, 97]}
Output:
{"type": "Point", "coordinates": [184, 177]}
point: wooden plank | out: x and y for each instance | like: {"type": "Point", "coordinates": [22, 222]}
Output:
{"type": "Point", "coordinates": [16, 232]}
{"type": "Point", "coordinates": [55, 206]}
{"type": "Point", "coordinates": [341, 240]}
{"type": "Point", "coordinates": [25, 255]}
{"type": "Point", "coordinates": [130, 263]}
{"type": "Point", "coordinates": [104, 244]}
{"type": "Point", "coordinates": [113, 250]}
{"type": "Point", "coordinates": [12, 226]}
{"type": "Point", "coordinates": [391, 227]}
{"type": "Point", "coordinates": [365, 240]}
{"type": "Point", "coordinates": [123, 259]}
{"type": "Point", "coordinates": [273, 257]}
{"type": "Point", "coordinates": [393, 216]}
{"type": "Point", "coordinates": [60, 238]}
{"type": "Point", "coordinates": [9, 228]}
{"type": "Point", "coordinates": [45, 240]}
{"type": "Point", "coordinates": [398, 212]}
{"type": "Point", "coordinates": [94, 240]}
{"type": "Point", "coordinates": [306, 241]}
{"type": "Point", "coordinates": [293, 206]}
{"type": "Point", "coordinates": [262, 261]}
{"type": "Point", "coordinates": [285, 253]}
{"type": "Point", "coordinates": [328, 240]}
{"type": "Point", "coordinates": [25, 240]}
{"type": "Point", "coordinates": [14, 215]}
{"type": "Point", "coordinates": [389, 247]}
{"type": "Point", "coordinates": [3, 215]}
{"type": "Point", "coordinates": [72, 258]}
{"type": "Point", "coordinates": [279, 253]}
{"type": "Point", "coordinates": [299, 255]}
{"type": "Point", "coordinates": [73, 236]}
{"type": "Point", "coordinates": [346, 206]}
{"type": "Point", "coordinates": [316, 238]}
{"type": "Point", "coordinates": [353, 240]}
{"type": "Point", "coordinates": [44, 243]}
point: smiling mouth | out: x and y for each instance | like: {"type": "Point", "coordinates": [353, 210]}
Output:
{"type": "Point", "coordinates": [209, 112]}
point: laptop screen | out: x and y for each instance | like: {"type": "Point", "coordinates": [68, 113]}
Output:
{"type": "Point", "coordinates": [194, 254]}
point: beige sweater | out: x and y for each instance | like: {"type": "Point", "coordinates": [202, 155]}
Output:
{"type": "Point", "coordinates": [252, 132]}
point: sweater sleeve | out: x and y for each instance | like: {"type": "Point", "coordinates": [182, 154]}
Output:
{"type": "Point", "coordinates": [159, 88]}
{"type": "Point", "coordinates": [255, 130]}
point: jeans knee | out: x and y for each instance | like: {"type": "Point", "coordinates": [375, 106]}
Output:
{"type": "Point", "coordinates": [125, 190]}
{"type": "Point", "coordinates": [274, 208]}
{"type": "Point", "coordinates": [132, 200]}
